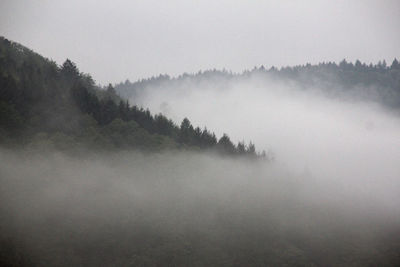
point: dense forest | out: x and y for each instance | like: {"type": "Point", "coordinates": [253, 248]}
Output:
{"type": "Point", "coordinates": [58, 106]}
{"type": "Point", "coordinates": [358, 81]}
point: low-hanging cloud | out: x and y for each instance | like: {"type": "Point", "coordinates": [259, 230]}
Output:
{"type": "Point", "coordinates": [336, 138]}
{"type": "Point", "coordinates": [330, 197]}
{"type": "Point", "coordinates": [185, 208]}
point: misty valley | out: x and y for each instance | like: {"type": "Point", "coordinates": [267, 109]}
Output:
{"type": "Point", "coordinates": [297, 166]}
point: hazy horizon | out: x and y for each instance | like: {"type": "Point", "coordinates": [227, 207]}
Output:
{"type": "Point", "coordinates": [120, 40]}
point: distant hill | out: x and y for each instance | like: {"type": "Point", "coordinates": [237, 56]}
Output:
{"type": "Point", "coordinates": [358, 81]}
{"type": "Point", "coordinates": [43, 104]}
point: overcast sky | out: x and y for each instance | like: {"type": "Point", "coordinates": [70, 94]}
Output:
{"type": "Point", "coordinates": [118, 40]}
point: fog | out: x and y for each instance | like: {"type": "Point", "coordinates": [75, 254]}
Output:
{"type": "Point", "coordinates": [186, 208]}
{"type": "Point", "coordinates": [330, 197]}
{"type": "Point", "coordinates": [339, 138]}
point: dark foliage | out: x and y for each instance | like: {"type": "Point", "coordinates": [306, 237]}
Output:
{"type": "Point", "coordinates": [42, 102]}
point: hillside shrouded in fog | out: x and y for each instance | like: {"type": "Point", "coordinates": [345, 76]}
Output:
{"type": "Point", "coordinates": [325, 127]}
{"type": "Point", "coordinates": [271, 138]}
{"type": "Point", "coordinates": [88, 179]}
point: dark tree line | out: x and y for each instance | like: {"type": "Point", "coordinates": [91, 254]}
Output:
{"type": "Point", "coordinates": [44, 102]}
{"type": "Point", "coordinates": [105, 111]}
{"type": "Point", "coordinates": [344, 77]}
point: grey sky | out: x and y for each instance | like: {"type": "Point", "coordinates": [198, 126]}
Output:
{"type": "Point", "coordinates": [116, 40]}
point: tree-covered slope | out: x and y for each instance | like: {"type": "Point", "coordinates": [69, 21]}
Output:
{"type": "Point", "coordinates": [358, 81]}
{"type": "Point", "coordinates": [41, 102]}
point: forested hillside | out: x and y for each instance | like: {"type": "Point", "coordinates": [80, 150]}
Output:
{"type": "Point", "coordinates": [90, 178]}
{"type": "Point", "coordinates": [358, 81]}
{"type": "Point", "coordinates": [42, 103]}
